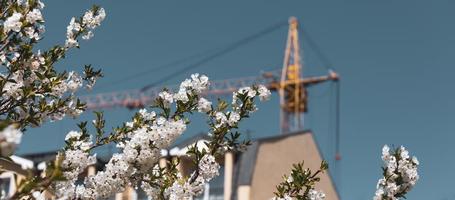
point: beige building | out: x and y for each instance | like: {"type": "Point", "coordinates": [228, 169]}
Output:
{"type": "Point", "coordinates": [262, 167]}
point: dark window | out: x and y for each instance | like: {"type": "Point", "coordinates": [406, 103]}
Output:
{"type": "Point", "coordinates": [4, 186]}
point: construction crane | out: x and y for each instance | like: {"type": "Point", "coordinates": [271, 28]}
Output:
{"type": "Point", "coordinates": [292, 87]}
{"type": "Point", "coordinates": [288, 82]}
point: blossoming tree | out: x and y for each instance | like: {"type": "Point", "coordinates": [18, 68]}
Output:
{"type": "Point", "coordinates": [34, 92]}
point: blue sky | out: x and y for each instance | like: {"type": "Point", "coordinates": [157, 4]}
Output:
{"type": "Point", "coordinates": [395, 60]}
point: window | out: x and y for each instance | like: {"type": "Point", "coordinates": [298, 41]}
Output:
{"type": "Point", "coordinates": [4, 187]}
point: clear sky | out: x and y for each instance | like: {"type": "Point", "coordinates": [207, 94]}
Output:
{"type": "Point", "coordinates": [395, 59]}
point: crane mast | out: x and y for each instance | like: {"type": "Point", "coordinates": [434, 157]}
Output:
{"type": "Point", "coordinates": [292, 87]}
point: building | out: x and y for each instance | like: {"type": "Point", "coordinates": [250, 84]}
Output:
{"type": "Point", "coordinates": [258, 170]}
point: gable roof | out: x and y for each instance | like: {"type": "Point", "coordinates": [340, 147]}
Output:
{"type": "Point", "coordinates": [244, 168]}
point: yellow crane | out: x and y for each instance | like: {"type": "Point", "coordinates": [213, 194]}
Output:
{"type": "Point", "coordinates": [292, 87]}
{"type": "Point", "coordinates": [288, 82]}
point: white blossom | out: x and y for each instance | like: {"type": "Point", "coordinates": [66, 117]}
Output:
{"type": "Point", "coordinates": [203, 105]}
{"type": "Point", "coordinates": [13, 88]}
{"type": "Point", "coordinates": [151, 191]}
{"type": "Point", "coordinates": [13, 23]}
{"type": "Point", "coordinates": [129, 124]}
{"type": "Point", "coordinates": [166, 97]}
{"type": "Point", "coordinates": [72, 108]}
{"type": "Point", "coordinates": [33, 16]}
{"type": "Point", "coordinates": [76, 160]}
{"type": "Point", "coordinates": [404, 153]}
{"type": "Point", "coordinates": [147, 115]}
{"type": "Point", "coordinates": [59, 89]}
{"type": "Point", "coordinates": [177, 192]}
{"type": "Point", "coordinates": [290, 179]}
{"type": "Point", "coordinates": [75, 135]}
{"type": "Point", "coordinates": [316, 195]}
{"type": "Point", "coordinates": [73, 27]}
{"type": "Point", "coordinates": [234, 117]}
{"type": "Point", "coordinates": [91, 83]}
{"type": "Point", "coordinates": [221, 119]}
{"type": "Point", "coordinates": [88, 35]}
{"type": "Point", "coordinates": [39, 195]}
{"type": "Point", "coordinates": [31, 33]}
{"type": "Point", "coordinates": [415, 160]}
{"type": "Point", "coordinates": [264, 93]}
{"type": "Point", "coordinates": [91, 20]}
{"type": "Point", "coordinates": [71, 42]}
{"type": "Point", "coordinates": [196, 187]}
{"type": "Point", "coordinates": [250, 92]}
{"type": "Point", "coordinates": [74, 81]}
{"type": "Point", "coordinates": [199, 83]}
{"type": "Point", "coordinates": [181, 96]}
{"type": "Point", "coordinates": [77, 141]}
{"type": "Point", "coordinates": [71, 30]}
{"type": "Point", "coordinates": [208, 167]}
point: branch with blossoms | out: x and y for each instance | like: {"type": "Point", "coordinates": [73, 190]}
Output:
{"type": "Point", "coordinates": [399, 174]}
{"type": "Point", "coordinates": [300, 184]}
{"type": "Point", "coordinates": [32, 91]}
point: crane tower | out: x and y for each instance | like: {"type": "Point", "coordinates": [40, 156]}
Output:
{"type": "Point", "coordinates": [292, 87]}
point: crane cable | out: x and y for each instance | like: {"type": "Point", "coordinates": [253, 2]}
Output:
{"type": "Point", "coordinates": [219, 53]}
{"type": "Point", "coordinates": [157, 68]}
{"type": "Point", "coordinates": [337, 119]}
{"type": "Point", "coordinates": [327, 64]}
